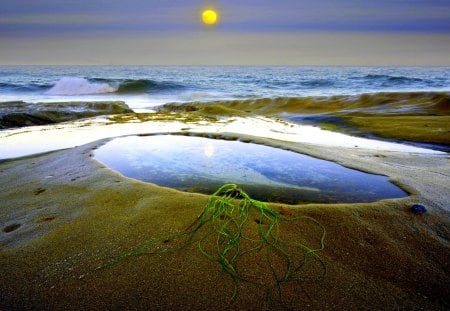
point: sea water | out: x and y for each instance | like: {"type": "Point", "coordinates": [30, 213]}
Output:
{"type": "Point", "coordinates": [144, 87]}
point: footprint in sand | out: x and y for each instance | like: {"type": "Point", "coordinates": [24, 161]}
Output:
{"type": "Point", "coordinates": [11, 228]}
{"type": "Point", "coordinates": [46, 218]}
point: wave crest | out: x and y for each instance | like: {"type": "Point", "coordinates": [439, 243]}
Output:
{"type": "Point", "coordinates": [79, 86]}
{"type": "Point", "coordinates": [393, 79]}
{"type": "Point", "coordinates": [137, 86]}
{"type": "Point", "coordinates": [83, 86]}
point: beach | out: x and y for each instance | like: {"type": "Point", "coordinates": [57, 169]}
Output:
{"type": "Point", "coordinates": [73, 215]}
{"type": "Point", "coordinates": [224, 155]}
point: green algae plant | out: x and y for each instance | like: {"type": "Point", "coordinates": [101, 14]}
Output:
{"type": "Point", "coordinates": [232, 226]}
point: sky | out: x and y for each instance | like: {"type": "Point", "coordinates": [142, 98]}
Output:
{"type": "Point", "coordinates": [249, 32]}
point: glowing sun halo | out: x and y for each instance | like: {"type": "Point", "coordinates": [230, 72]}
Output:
{"type": "Point", "coordinates": [209, 17]}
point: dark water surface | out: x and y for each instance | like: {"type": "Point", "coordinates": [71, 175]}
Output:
{"type": "Point", "coordinates": [196, 164]}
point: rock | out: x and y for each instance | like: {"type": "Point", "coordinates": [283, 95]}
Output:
{"type": "Point", "coordinates": [418, 209]}
{"type": "Point", "coordinates": [18, 114]}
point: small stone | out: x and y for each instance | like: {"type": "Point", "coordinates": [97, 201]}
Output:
{"type": "Point", "coordinates": [38, 191]}
{"type": "Point", "coordinates": [418, 209]}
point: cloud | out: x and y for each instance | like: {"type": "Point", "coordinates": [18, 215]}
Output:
{"type": "Point", "coordinates": [137, 16]}
{"type": "Point", "coordinates": [50, 19]}
{"type": "Point", "coordinates": [250, 32]}
{"type": "Point", "coordinates": [345, 18]}
{"type": "Point", "coordinates": [216, 48]}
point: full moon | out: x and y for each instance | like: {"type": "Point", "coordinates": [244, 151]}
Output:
{"type": "Point", "coordinates": [209, 17]}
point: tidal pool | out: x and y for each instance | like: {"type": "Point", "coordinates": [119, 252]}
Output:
{"type": "Point", "coordinates": [197, 164]}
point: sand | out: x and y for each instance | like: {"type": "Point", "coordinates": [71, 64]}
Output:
{"type": "Point", "coordinates": [75, 215]}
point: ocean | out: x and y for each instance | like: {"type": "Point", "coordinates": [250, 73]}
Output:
{"type": "Point", "coordinates": [144, 87]}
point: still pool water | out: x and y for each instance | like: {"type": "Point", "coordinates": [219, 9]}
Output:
{"type": "Point", "coordinates": [197, 164]}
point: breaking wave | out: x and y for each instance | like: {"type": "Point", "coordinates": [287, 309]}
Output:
{"type": "Point", "coordinates": [83, 86]}
{"type": "Point", "coordinates": [79, 86]}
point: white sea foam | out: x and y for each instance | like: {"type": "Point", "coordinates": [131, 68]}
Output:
{"type": "Point", "coordinates": [79, 86]}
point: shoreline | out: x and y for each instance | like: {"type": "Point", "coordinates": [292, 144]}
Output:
{"type": "Point", "coordinates": [16, 142]}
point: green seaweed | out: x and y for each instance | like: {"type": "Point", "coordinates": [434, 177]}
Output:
{"type": "Point", "coordinates": [233, 225]}
{"type": "Point", "coordinates": [160, 117]}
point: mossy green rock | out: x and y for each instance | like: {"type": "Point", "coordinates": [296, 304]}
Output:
{"type": "Point", "coordinates": [19, 113]}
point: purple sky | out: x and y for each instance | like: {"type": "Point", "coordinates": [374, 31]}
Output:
{"type": "Point", "coordinates": [250, 32]}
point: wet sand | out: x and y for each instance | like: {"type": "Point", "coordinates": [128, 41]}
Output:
{"type": "Point", "coordinates": [407, 116]}
{"type": "Point", "coordinates": [66, 216]}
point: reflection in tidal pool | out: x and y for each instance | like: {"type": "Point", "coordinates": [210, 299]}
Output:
{"type": "Point", "coordinates": [198, 164]}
